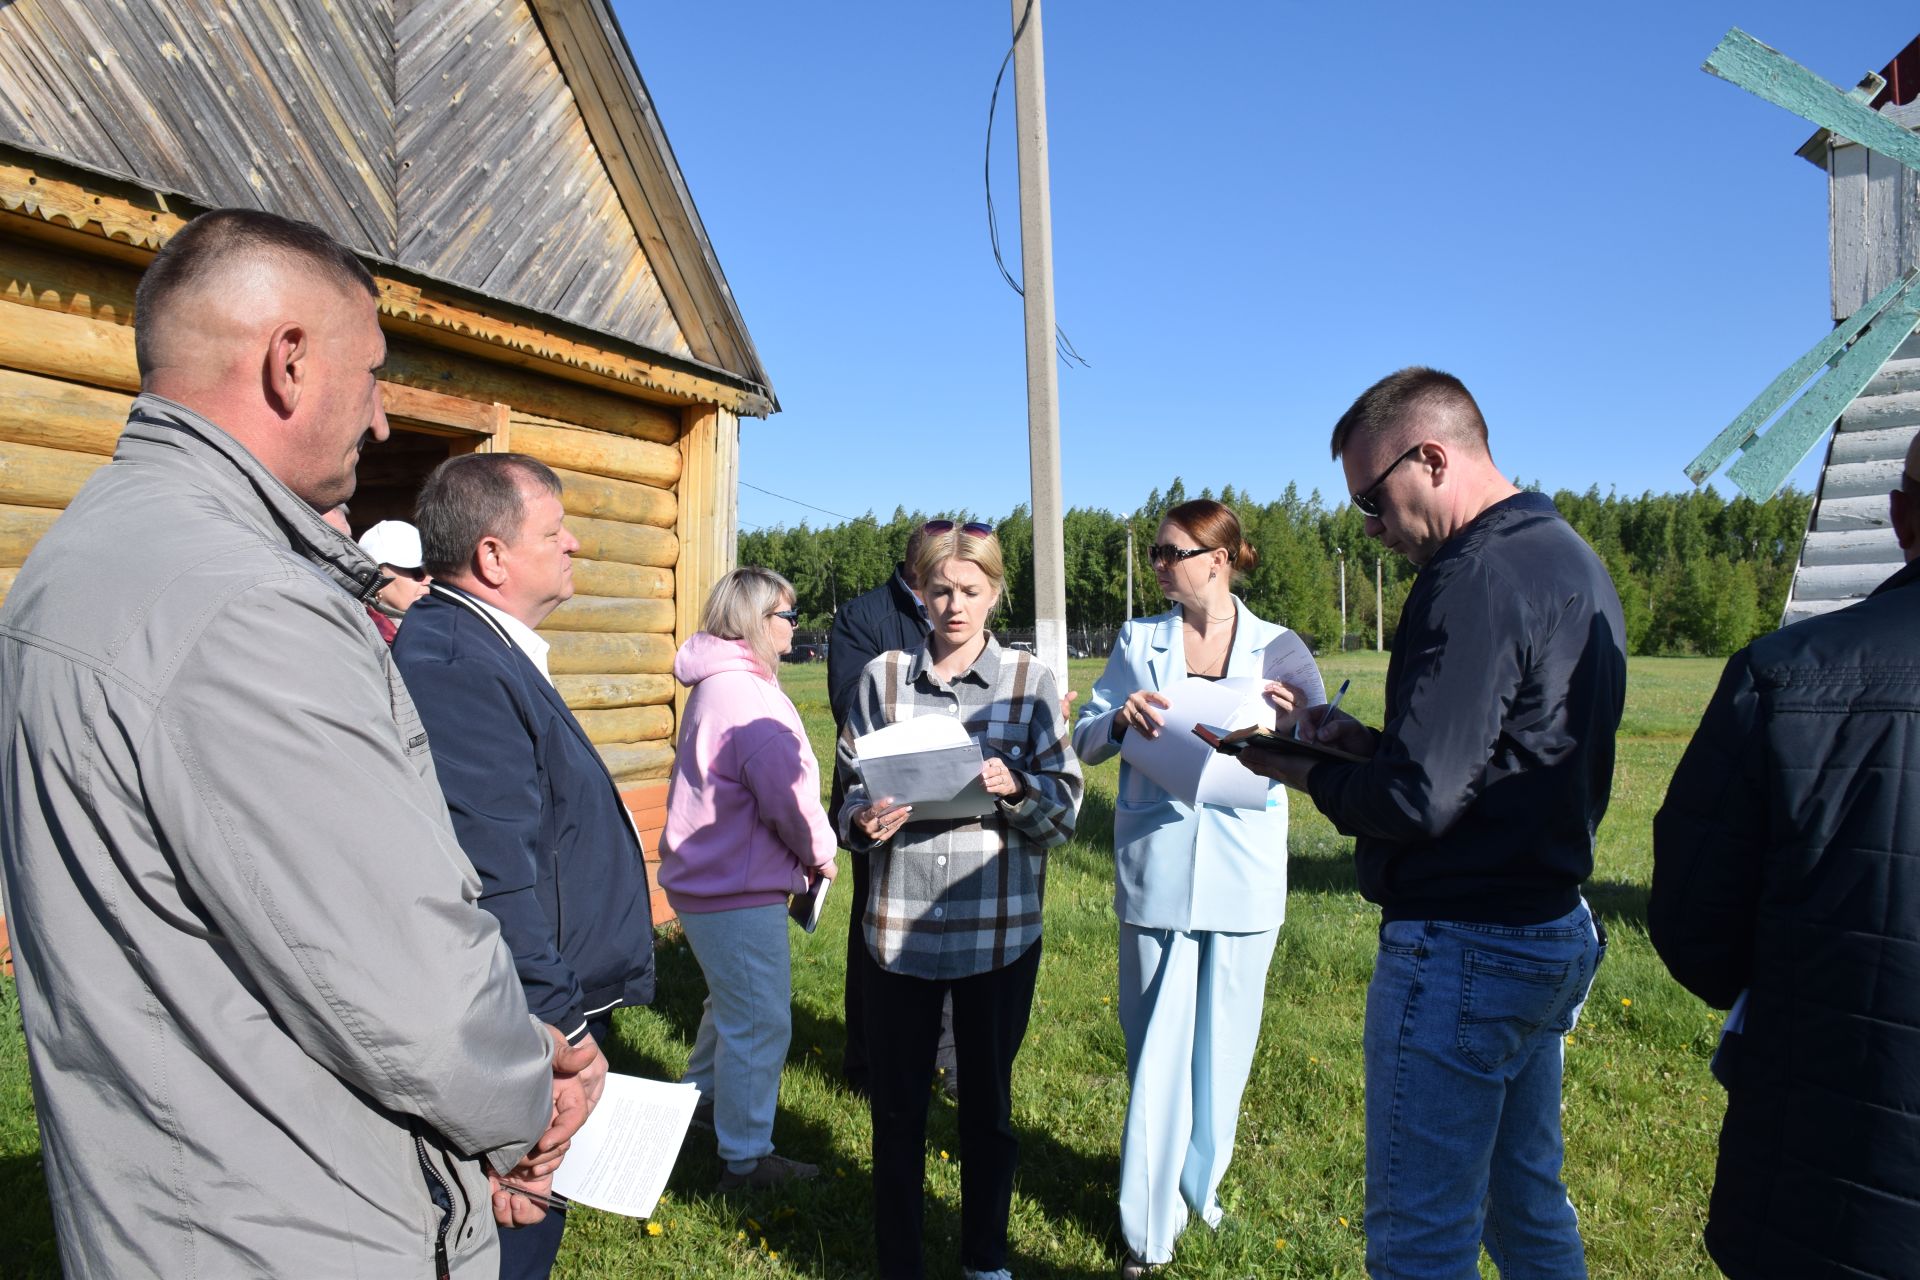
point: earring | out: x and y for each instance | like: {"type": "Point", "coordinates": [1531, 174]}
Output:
{"type": "Point", "coordinates": [1212, 575]}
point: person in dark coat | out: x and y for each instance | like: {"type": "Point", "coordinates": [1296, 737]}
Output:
{"type": "Point", "coordinates": [1786, 887]}
{"type": "Point", "coordinates": [536, 811]}
{"type": "Point", "coordinates": [878, 621]}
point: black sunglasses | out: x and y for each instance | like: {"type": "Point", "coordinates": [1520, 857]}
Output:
{"type": "Point", "coordinates": [973, 527]}
{"type": "Point", "coordinates": [417, 574]}
{"type": "Point", "coordinates": [1363, 500]}
{"type": "Point", "coordinates": [1169, 554]}
{"type": "Point", "coordinates": [791, 615]}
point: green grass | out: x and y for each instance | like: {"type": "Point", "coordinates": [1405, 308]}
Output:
{"type": "Point", "coordinates": [1641, 1110]}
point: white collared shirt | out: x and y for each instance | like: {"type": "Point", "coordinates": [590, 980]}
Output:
{"type": "Point", "coordinates": [522, 636]}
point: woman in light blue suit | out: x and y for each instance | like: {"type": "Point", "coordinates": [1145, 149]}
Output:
{"type": "Point", "coordinates": [1200, 891]}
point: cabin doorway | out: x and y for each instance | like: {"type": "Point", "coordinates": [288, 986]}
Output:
{"type": "Point", "coordinates": [425, 429]}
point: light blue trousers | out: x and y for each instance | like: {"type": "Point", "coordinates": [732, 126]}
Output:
{"type": "Point", "coordinates": [745, 1025]}
{"type": "Point", "coordinates": [1190, 1007]}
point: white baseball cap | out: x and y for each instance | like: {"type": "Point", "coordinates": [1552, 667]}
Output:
{"type": "Point", "coordinates": [393, 542]}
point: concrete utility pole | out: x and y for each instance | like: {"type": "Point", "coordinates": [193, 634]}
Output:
{"type": "Point", "coordinates": [1341, 551]}
{"type": "Point", "coordinates": [1129, 617]}
{"type": "Point", "coordinates": [1043, 373]}
{"type": "Point", "coordinates": [1379, 612]}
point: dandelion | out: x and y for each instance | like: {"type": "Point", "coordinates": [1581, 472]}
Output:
{"type": "Point", "coordinates": [739, 1237]}
{"type": "Point", "coordinates": [1625, 1003]}
{"type": "Point", "coordinates": [1343, 1222]}
{"type": "Point", "coordinates": [654, 1228]}
{"type": "Point", "coordinates": [1106, 999]}
{"type": "Point", "coordinates": [763, 1244]}
{"type": "Point", "coordinates": [943, 1155]}
{"type": "Point", "coordinates": [1280, 1243]}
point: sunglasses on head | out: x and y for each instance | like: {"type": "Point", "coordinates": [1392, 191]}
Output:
{"type": "Point", "coordinates": [1167, 553]}
{"type": "Point", "coordinates": [1364, 502]}
{"type": "Point", "coordinates": [973, 527]}
{"type": "Point", "coordinates": [791, 615]}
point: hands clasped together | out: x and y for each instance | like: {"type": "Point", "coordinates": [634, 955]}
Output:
{"type": "Point", "coordinates": [579, 1077]}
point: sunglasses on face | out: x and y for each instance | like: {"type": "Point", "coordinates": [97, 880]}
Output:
{"type": "Point", "coordinates": [417, 574]}
{"type": "Point", "coordinates": [973, 527]}
{"type": "Point", "coordinates": [1364, 502]}
{"type": "Point", "coordinates": [1167, 553]}
{"type": "Point", "coordinates": [791, 615]}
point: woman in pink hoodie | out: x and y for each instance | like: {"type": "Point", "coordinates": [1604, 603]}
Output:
{"type": "Point", "coordinates": [744, 831]}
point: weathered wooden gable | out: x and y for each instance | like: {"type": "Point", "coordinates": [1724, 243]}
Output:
{"type": "Point", "coordinates": [504, 147]}
{"type": "Point", "coordinates": [501, 188]}
{"type": "Point", "coordinates": [275, 104]}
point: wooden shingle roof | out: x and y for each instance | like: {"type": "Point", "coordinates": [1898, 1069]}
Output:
{"type": "Point", "coordinates": [507, 147]}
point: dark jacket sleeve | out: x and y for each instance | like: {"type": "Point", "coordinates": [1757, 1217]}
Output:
{"type": "Point", "coordinates": [854, 643]}
{"type": "Point", "coordinates": [1708, 841]}
{"type": "Point", "coordinates": [1460, 666]}
{"type": "Point", "coordinates": [487, 757]}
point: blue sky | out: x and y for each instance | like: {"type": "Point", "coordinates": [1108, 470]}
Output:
{"type": "Point", "coordinates": [1258, 209]}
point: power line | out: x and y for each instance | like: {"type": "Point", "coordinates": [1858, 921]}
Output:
{"type": "Point", "coordinates": [1062, 344]}
{"type": "Point", "coordinates": [796, 502]}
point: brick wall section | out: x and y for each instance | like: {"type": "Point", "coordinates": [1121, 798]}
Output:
{"type": "Point", "coordinates": [648, 804]}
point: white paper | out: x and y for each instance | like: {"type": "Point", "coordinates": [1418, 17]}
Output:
{"type": "Point", "coordinates": [1189, 769]}
{"type": "Point", "coordinates": [620, 1158]}
{"type": "Point", "coordinates": [929, 762]}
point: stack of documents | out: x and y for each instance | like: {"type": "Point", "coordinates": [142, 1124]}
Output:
{"type": "Point", "coordinates": [929, 762]}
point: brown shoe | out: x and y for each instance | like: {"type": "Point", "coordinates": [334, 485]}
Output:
{"type": "Point", "coordinates": [771, 1171]}
{"type": "Point", "coordinates": [1136, 1268]}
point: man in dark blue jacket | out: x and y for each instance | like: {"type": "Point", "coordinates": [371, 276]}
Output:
{"type": "Point", "coordinates": [535, 809]}
{"type": "Point", "coordinates": [1786, 886]}
{"type": "Point", "coordinates": [1474, 809]}
{"type": "Point", "coordinates": [886, 618]}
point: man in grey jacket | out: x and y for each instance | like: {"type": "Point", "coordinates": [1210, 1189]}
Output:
{"type": "Point", "coordinates": [271, 1032]}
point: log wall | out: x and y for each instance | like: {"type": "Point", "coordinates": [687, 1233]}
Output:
{"type": "Point", "coordinates": [67, 374]}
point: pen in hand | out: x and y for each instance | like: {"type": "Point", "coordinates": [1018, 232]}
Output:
{"type": "Point", "coordinates": [1326, 714]}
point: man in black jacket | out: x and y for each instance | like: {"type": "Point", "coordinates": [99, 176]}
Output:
{"type": "Point", "coordinates": [885, 618]}
{"type": "Point", "coordinates": [1786, 886]}
{"type": "Point", "coordinates": [1474, 808]}
{"type": "Point", "coordinates": [535, 809]}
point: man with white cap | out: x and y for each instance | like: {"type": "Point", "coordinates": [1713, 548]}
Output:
{"type": "Point", "coordinates": [396, 545]}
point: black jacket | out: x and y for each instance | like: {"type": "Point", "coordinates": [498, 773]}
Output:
{"type": "Point", "coordinates": [1504, 691]}
{"type": "Point", "coordinates": [870, 624]}
{"type": "Point", "coordinates": [537, 813]}
{"type": "Point", "coordinates": [1787, 864]}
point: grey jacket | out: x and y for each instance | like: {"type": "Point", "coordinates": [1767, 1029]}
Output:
{"type": "Point", "coordinates": [264, 1015]}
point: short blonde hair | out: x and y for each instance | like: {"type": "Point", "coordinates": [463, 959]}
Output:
{"type": "Point", "coordinates": [738, 608]}
{"type": "Point", "coordinates": [981, 549]}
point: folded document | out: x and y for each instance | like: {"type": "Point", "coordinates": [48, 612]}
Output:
{"type": "Point", "coordinates": [929, 762]}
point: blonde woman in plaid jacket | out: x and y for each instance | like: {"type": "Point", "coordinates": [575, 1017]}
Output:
{"type": "Point", "coordinates": [954, 905]}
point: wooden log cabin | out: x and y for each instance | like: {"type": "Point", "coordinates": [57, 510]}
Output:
{"type": "Point", "coordinates": [545, 282]}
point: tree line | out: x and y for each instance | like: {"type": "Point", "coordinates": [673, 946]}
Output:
{"type": "Point", "coordinates": [1696, 573]}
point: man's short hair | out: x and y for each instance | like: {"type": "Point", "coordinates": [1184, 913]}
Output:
{"type": "Point", "coordinates": [910, 559]}
{"type": "Point", "coordinates": [1439, 400]}
{"type": "Point", "coordinates": [475, 496]}
{"type": "Point", "coordinates": [217, 238]}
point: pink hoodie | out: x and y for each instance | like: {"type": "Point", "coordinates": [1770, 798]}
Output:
{"type": "Point", "coordinates": [743, 810]}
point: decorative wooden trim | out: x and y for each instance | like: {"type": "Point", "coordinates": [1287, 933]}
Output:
{"type": "Point", "coordinates": [442, 317]}
{"type": "Point", "coordinates": [145, 220]}
{"type": "Point", "coordinates": [438, 314]}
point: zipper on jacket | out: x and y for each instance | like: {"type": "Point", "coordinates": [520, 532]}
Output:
{"type": "Point", "coordinates": [441, 1268]}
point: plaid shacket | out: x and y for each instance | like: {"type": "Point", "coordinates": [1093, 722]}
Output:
{"type": "Point", "coordinates": [951, 899]}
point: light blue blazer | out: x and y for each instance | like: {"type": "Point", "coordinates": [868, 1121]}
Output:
{"type": "Point", "coordinates": [1175, 866]}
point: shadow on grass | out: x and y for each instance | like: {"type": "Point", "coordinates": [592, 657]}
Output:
{"type": "Point", "coordinates": [1064, 1181]}
{"type": "Point", "coordinates": [27, 1247]}
{"type": "Point", "coordinates": [1617, 902]}
{"type": "Point", "coordinates": [1331, 871]}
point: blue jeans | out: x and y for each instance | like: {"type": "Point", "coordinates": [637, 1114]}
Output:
{"type": "Point", "coordinates": [1463, 1060]}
